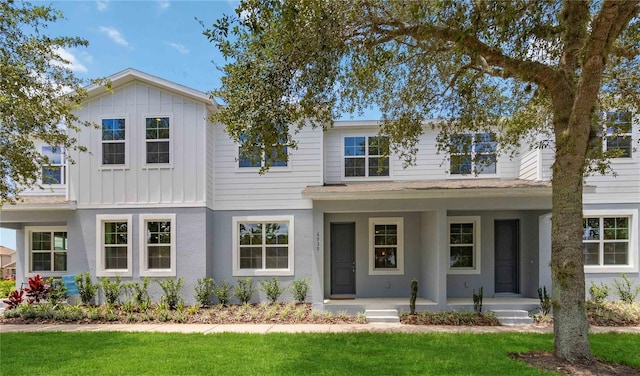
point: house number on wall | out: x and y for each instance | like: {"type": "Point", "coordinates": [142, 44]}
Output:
{"type": "Point", "coordinates": [317, 241]}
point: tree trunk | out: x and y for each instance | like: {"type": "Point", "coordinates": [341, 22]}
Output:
{"type": "Point", "coordinates": [570, 326]}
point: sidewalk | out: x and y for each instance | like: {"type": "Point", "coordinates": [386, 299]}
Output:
{"type": "Point", "coordinates": [292, 328]}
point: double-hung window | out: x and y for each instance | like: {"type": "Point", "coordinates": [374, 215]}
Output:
{"type": "Point", "coordinates": [158, 138]}
{"type": "Point", "coordinates": [464, 245]}
{"type": "Point", "coordinates": [366, 156]}
{"type": "Point", "coordinates": [251, 156]}
{"type": "Point", "coordinates": [55, 171]}
{"type": "Point", "coordinates": [386, 246]}
{"type": "Point", "coordinates": [473, 154]}
{"type": "Point", "coordinates": [114, 245]}
{"type": "Point", "coordinates": [618, 136]}
{"type": "Point", "coordinates": [158, 245]}
{"type": "Point", "coordinates": [607, 242]}
{"type": "Point", "coordinates": [47, 249]}
{"type": "Point", "coordinates": [263, 246]}
{"type": "Point", "coordinates": [114, 141]}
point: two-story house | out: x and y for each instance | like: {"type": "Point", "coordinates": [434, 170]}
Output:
{"type": "Point", "coordinates": [163, 193]}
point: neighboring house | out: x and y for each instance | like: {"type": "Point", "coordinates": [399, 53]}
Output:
{"type": "Point", "coordinates": [163, 194]}
{"type": "Point", "coordinates": [7, 263]}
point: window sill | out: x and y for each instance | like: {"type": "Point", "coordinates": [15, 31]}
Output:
{"type": "Point", "coordinates": [158, 273]}
{"type": "Point", "coordinates": [463, 271]}
{"type": "Point", "coordinates": [386, 272]}
{"type": "Point", "coordinates": [159, 166]}
{"type": "Point", "coordinates": [610, 269]}
{"type": "Point", "coordinates": [46, 274]}
{"type": "Point", "coordinates": [113, 168]}
{"type": "Point", "coordinates": [114, 273]}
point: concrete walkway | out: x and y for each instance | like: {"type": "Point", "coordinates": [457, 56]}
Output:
{"type": "Point", "coordinates": [293, 328]}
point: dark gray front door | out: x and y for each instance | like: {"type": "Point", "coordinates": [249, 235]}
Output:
{"type": "Point", "coordinates": [507, 242]}
{"type": "Point", "coordinates": [343, 267]}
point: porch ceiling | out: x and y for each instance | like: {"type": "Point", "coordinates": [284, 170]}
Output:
{"type": "Point", "coordinates": [450, 188]}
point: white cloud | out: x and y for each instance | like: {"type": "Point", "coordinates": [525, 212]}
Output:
{"type": "Point", "coordinates": [102, 5]}
{"type": "Point", "coordinates": [180, 47]}
{"type": "Point", "coordinates": [114, 35]}
{"type": "Point", "coordinates": [164, 4]}
{"type": "Point", "coordinates": [70, 62]}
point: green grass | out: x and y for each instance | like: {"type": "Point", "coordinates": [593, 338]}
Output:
{"type": "Point", "coordinates": [114, 353]}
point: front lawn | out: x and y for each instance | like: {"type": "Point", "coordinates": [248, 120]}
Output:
{"type": "Point", "coordinates": [112, 353]}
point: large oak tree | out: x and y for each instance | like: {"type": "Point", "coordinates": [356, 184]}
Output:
{"type": "Point", "coordinates": [522, 67]}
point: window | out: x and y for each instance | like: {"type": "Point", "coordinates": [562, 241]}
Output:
{"type": "Point", "coordinates": [251, 156]}
{"type": "Point", "coordinates": [464, 245]}
{"type": "Point", "coordinates": [365, 156]}
{"type": "Point", "coordinates": [618, 134]}
{"type": "Point", "coordinates": [606, 240]}
{"type": "Point", "coordinates": [473, 154]}
{"type": "Point", "coordinates": [263, 246]}
{"type": "Point", "coordinates": [55, 171]}
{"type": "Point", "coordinates": [47, 250]}
{"type": "Point", "coordinates": [158, 138]}
{"type": "Point", "coordinates": [113, 245]}
{"type": "Point", "coordinates": [158, 245]}
{"type": "Point", "coordinates": [386, 246]}
{"type": "Point", "coordinates": [113, 142]}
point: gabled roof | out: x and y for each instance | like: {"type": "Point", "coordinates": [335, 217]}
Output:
{"type": "Point", "coordinates": [5, 251]}
{"type": "Point", "coordinates": [129, 75]}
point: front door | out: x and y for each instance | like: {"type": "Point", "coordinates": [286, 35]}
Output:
{"type": "Point", "coordinates": [343, 262]}
{"type": "Point", "coordinates": [507, 243]}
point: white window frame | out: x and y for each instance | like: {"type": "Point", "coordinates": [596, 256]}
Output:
{"type": "Point", "coordinates": [101, 271]}
{"type": "Point", "coordinates": [146, 141]}
{"type": "Point", "coordinates": [28, 230]}
{"type": "Point", "coordinates": [477, 245]}
{"type": "Point", "coordinates": [144, 246]}
{"type": "Point", "coordinates": [127, 126]}
{"type": "Point", "coordinates": [237, 271]}
{"type": "Point", "coordinates": [607, 134]}
{"type": "Point", "coordinates": [366, 157]}
{"type": "Point", "coordinates": [399, 222]}
{"type": "Point", "coordinates": [632, 267]}
{"type": "Point", "coordinates": [472, 156]}
{"type": "Point", "coordinates": [287, 167]}
{"type": "Point", "coordinates": [62, 165]}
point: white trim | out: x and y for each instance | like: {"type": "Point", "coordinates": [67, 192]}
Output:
{"type": "Point", "coordinates": [237, 272]}
{"type": "Point", "coordinates": [399, 222]}
{"type": "Point", "coordinates": [100, 267]}
{"type": "Point", "coordinates": [632, 267]}
{"type": "Point", "coordinates": [366, 157]}
{"type": "Point", "coordinates": [256, 169]}
{"type": "Point", "coordinates": [28, 230]}
{"type": "Point", "coordinates": [144, 269]}
{"type": "Point", "coordinates": [145, 165]}
{"type": "Point", "coordinates": [477, 245]}
{"type": "Point", "coordinates": [62, 165]}
{"type": "Point", "coordinates": [127, 136]}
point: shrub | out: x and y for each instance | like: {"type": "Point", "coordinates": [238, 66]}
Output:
{"type": "Point", "coordinates": [86, 288]}
{"type": "Point", "coordinates": [222, 291]}
{"type": "Point", "coordinates": [204, 290]}
{"type": "Point", "coordinates": [626, 290]}
{"type": "Point", "coordinates": [300, 289]}
{"type": "Point", "coordinates": [58, 291]}
{"type": "Point", "coordinates": [139, 293]}
{"type": "Point", "coordinates": [413, 296]}
{"type": "Point", "coordinates": [171, 292]}
{"type": "Point", "coordinates": [598, 293]}
{"type": "Point", "coordinates": [111, 290]}
{"type": "Point", "coordinates": [272, 288]}
{"type": "Point", "coordinates": [38, 290]}
{"type": "Point", "coordinates": [545, 300]}
{"type": "Point", "coordinates": [244, 290]}
{"type": "Point", "coordinates": [14, 299]}
{"type": "Point", "coordinates": [6, 287]}
{"type": "Point", "coordinates": [477, 300]}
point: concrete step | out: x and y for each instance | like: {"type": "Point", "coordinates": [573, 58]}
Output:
{"type": "Point", "coordinates": [382, 315]}
{"type": "Point", "coordinates": [513, 317]}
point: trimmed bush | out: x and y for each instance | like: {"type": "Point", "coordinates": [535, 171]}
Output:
{"type": "Point", "coordinates": [86, 288]}
{"type": "Point", "coordinates": [299, 289]}
{"type": "Point", "coordinates": [111, 290]}
{"type": "Point", "coordinates": [222, 292]}
{"type": "Point", "coordinates": [272, 288]}
{"type": "Point", "coordinates": [171, 292]}
{"type": "Point", "coordinates": [244, 290]}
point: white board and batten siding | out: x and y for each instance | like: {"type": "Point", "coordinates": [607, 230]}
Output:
{"type": "Point", "coordinates": [279, 188]}
{"type": "Point", "coordinates": [181, 183]}
{"type": "Point", "coordinates": [429, 164]}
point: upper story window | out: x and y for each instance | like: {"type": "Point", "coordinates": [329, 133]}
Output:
{"type": "Point", "coordinates": [618, 133]}
{"type": "Point", "coordinates": [158, 139]}
{"type": "Point", "coordinates": [250, 156]}
{"type": "Point", "coordinates": [113, 142]}
{"type": "Point", "coordinates": [366, 156]}
{"type": "Point", "coordinates": [473, 154]}
{"type": "Point", "coordinates": [55, 171]}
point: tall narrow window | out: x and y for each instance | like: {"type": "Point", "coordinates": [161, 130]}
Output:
{"type": "Point", "coordinates": [158, 242]}
{"type": "Point", "coordinates": [47, 249]}
{"type": "Point", "coordinates": [114, 245]}
{"type": "Point", "coordinates": [464, 245]}
{"type": "Point", "coordinates": [473, 154]}
{"type": "Point", "coordinates": [618, 134]}
{"type": "Point", "coordinates": [386, 246]}
{"type": "Point", "coordinates": [54, 172]}
{"type": "Point", "coordinates": [113, 141]}
{"type": "Point", "coordinates": [158, 139]}
{"type": "Point", "coordinates": [366, 156]}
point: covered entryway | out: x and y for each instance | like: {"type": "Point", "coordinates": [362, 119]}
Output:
{"type": "Point", "coordinates": [343, 263]}
{"type": "Point", "coordinates": [507, 244]}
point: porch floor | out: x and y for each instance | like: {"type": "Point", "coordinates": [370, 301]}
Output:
{"type": "Point", "coordinates": [359, 305]}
